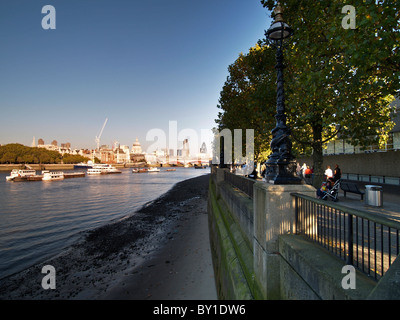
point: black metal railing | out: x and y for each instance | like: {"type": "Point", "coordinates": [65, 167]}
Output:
{"type": "Point", "coordinates": [240, 182]}
{"type": "Point", "coordinates": [368, 242]}
{"type": "Point", "coordinates": [395, 181]}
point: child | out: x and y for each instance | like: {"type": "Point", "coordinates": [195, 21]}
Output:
{"type": "Point", "coordinates": [326, 186]}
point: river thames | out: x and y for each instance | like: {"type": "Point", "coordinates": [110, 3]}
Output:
{"type": "Point", "coordinates": [38, 219]}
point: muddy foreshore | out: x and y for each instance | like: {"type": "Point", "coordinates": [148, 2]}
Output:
{"type": "Point", "coordinates": [143, 256]}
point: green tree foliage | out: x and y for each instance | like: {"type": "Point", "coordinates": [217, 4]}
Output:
{"type": "Point", "coordinates": [71, 158]}
{"type": "Point", "coordinates": [337, 81]}
{"type": "Point", "coordinates": [341, 81]}
{"type": "Point", "coordinates": [247, 101]}
{"type": "Point", "coordinates": [18, 153]}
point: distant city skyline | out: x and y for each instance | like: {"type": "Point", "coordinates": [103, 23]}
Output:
{"type": "Point", "coordinates": [141, 64]}
{"type": "Point", "coordinates": [202, 147]}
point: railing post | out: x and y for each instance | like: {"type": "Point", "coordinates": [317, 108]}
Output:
{"type": "Point", "coordinates": [296, 212]}
{"type": "Point", "coordinates": [350, 239]}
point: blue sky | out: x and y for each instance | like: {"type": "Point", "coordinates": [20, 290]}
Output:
{"type": "Point", "coordinates": [140, 64]}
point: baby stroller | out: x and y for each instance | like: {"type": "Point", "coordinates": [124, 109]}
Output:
{"type": "Point", "coordinates": [332, 193]}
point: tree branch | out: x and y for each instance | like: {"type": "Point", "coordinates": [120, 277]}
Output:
{"type": "Point", "coordinates": [333, 135]}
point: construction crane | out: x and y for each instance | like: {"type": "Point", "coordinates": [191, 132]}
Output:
{"type": "Point", "coordinates": [97, 139]}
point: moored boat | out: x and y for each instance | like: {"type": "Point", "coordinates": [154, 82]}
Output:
{"type": "Point", "coordinates": [102, 168]}
{"type": "Point", "coordinates": [83, 165]}
{"type": "Point", "coordinates": [20, 173]}
{"type": "Point", "coordinates": [69, 175]}
{"type": "Point", "coordinates": [110, 169]}
{"type": "Point", "coordinates": [93, 171]}
{"type": "Point", "coordinates": [52, 176]}
{"type": "Point", "coordinates": [153, 170]}
{"type": "Point", "coordinates": [139, 170]}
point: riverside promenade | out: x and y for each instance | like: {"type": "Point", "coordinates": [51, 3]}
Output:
{"type": "Point", "coordinates": [161, 252]}
{"type": "Point", "coordinates": [391, 200]}
{"type": "Point", "coordinates": [296, 246]}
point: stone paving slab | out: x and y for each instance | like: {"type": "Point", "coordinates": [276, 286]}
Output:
{"type": "Point", "coordinates": [391, 201]}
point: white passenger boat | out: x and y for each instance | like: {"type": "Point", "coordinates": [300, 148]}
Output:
{"type": "Point", "coordinates": [52, 176]}
{"type": "Point", "coordinates": [94, 171]}
{"type": "Point", "coordinates": [102, 168]}
{"type": "Point", "coordinates": [16, 173]}
{"type": "Point", "coordinates": [110, 169]}
{"type": "Point", "coordinates": [153, 170]}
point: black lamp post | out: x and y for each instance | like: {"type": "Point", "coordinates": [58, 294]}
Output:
{"type": "Point", "coordinates": [281, 166]}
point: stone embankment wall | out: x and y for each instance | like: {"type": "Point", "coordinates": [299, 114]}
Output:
{"type": "Point", "coordinates": [9, 167]}
{"type": "Point", "coordinates": [257, 255]}
{"type": "Point", "coordinates": [230, 224]}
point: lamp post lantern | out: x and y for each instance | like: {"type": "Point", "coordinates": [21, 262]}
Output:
{"type": "Point", "coordinates": [280, 165]}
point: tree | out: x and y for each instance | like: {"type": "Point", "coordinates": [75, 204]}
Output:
{"type": "Point", "coordinates": [69, 158]}
{"type": "Point", "coordinates": [8, 157]}
{"type": "Point", "coordinates": [247, 101]}
{"type": "Point", "coordinates": [337, 81]}
{"type": "Point", "coordinates": [340, 80]}
{"type": "Point", "coordinates": [18, 153]}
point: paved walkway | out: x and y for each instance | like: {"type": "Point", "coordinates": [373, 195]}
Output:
{"type": "Point", "coordinates": [391, 200]}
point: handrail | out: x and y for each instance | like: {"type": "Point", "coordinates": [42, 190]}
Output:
{"type": "Point", "coordinates": [355, 212]}
{"type": "Point", "coordinates": [367, 241]}
{"type": "Point", "coordinates": [389, 180]}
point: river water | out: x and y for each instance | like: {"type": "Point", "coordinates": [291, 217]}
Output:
{"type": "Point", "coordinates": [38, 219]}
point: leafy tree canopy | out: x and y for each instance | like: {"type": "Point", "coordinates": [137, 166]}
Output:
{"type": "Point", "coordinates": [341, 81]}
{"type": "Point", "coordinates": [337, 81]}
{"type": "Point", "coordinates": [246, 94]}
{"type": "Point", "coordinates": [18, 154]}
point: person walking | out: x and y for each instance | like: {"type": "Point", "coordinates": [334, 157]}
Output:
{"type": "Point", "coordinates": [328, 173]}
{"type": "Point", "coordinates": [307, 175]}
{"type": "Point", "coordinates": [337, 174]}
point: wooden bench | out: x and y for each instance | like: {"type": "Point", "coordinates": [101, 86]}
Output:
{"type": "Point", "coordinates": [351, 187]}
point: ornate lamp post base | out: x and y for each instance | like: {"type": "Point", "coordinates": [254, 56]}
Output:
{"type": "Point", "coordinates": [282, 173]}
